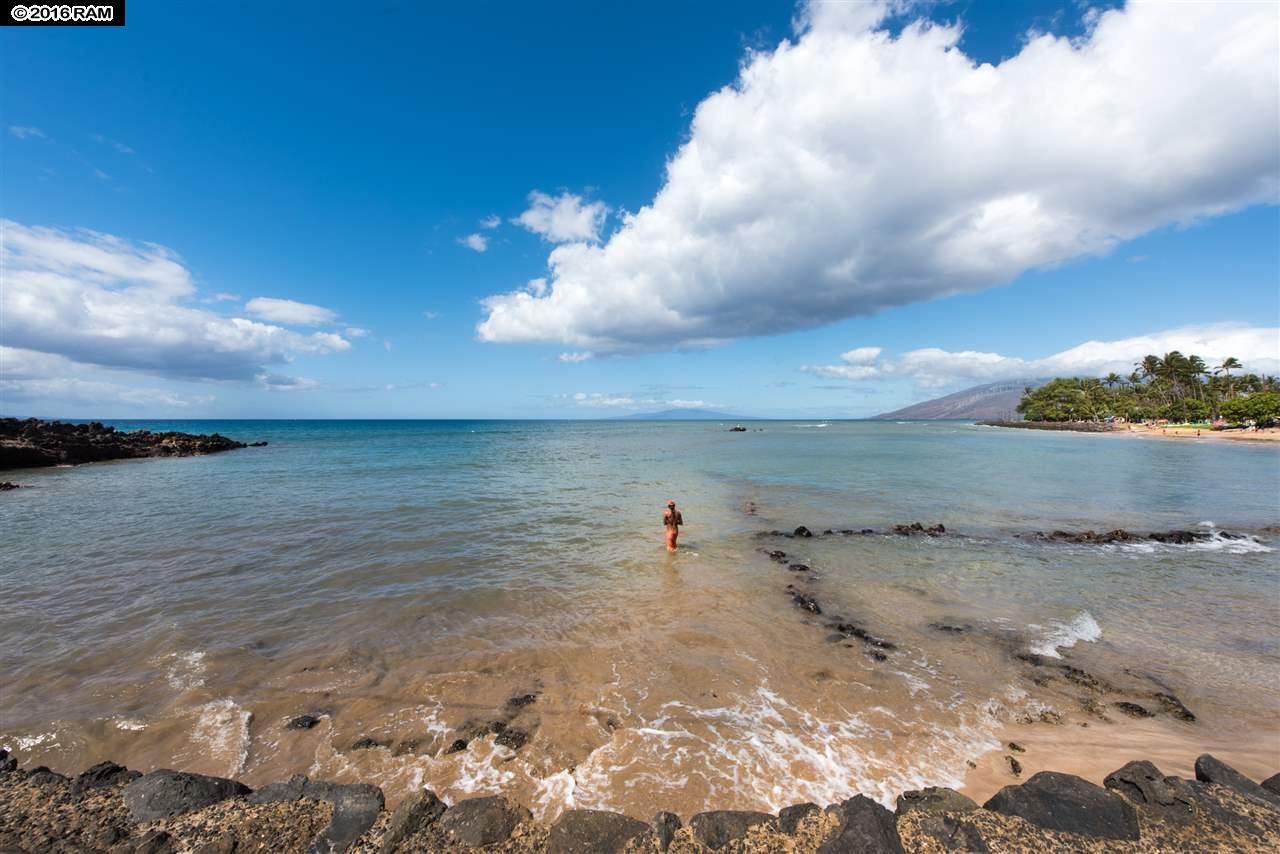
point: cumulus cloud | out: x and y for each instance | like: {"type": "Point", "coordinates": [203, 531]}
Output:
{"type": "Point", "coordinates": [1258, 348]}
{"type": "Point", "coordinates": [564, 218]}
{"type": "Point", "coordinates": [573, 358]}
{"type": "Point", "coordinates": [289, 311]}
{"type": "Point", "coordinates": [22, 132]}
{"type": "Point", "coordinates": [101, 300]}
{"type": "Point", "coordinates": [474, 242]}
{"type": "Point", "coordinates": [848, 170]}
{"type": "Point", "coordinates": [279, 382]}
{"type": "Point", "coordinates": [44, 379]}
{"type": "Point", "coordinates": [491, 222]}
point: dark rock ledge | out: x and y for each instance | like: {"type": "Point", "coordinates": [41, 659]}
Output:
{"type": "Point", "coordinates": [111, 809]}
{"type": "Point", "coordinates": [33, 443]}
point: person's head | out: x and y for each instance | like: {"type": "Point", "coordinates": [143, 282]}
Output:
{"type": "Point", "coordinates": [671, 505]}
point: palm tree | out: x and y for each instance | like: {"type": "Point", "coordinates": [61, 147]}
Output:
{"type": "Point", "coordinates": [1113, 379]}
{"type": "Point", "coordinates": [1229, 364]}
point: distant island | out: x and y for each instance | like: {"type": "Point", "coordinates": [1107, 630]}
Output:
{"type": "Point", "coordinates": [981, 402]}
{"type": "Point", "coordinates": [684, 414]}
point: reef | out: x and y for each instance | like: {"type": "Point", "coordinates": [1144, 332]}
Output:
{"type": "Point", "coordinates": [33, 443]}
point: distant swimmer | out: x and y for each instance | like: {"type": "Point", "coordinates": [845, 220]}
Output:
{"type": "Point", "coordinates": [672, 520]}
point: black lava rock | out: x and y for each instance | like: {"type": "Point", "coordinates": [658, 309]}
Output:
{"type": "Point", "coordinates": [718, 828]}
{"type": "Point", "coordinates": [165, 793]}
{"type": "Point", "coordinates": [1133, 710]}
{"type": "Point", "coordinates": [802, 531]}
{"type": "Point", "coordinates": [665, 825]}
{"type": "Point", "coordinates": [592, 831]}
{"type": "Point", "coordinates": [934, 799]}
{"type": "Point", "coordinates": [482, 821]}
{"type": "Point", "coordinates": [1068, 803]}
{"type": "Point", "coordinates": [512, 738]}
{"type": "Point", "coordinates": [303, 722]}
{"type": "Point", "coordinates": [1211, 770]}
{"type": "Point", "coordinates": [101, 775]}
{"type": "Point", "coordinates": [864, 826]}
{"type": "Point", "coordinates": [412, 817]}
{"type": "Point", "coordinates": [789, 818]}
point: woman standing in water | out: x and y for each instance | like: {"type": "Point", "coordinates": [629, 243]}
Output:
{"type": "Point", "coordinates": [672, 520]}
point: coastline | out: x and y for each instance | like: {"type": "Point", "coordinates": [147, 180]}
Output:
{"type": "Point", "coordinates": [1268, 434]}
{"type": "Point", "coordinates": [1138, 808]}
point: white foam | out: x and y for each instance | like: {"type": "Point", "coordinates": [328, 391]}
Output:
{"type": "Point", "coordinates": [184, 670]}
{"type": "Point", "coordinates": [26, 742]}
{"type": "Point", "coordinates": [221, 733]}
{"type": "Point", "coordinates": [129, 724]}
{"type": "Point", "coordinates": [1066, 635]}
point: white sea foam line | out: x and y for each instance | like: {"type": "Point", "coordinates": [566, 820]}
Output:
{"type": "Point", "coordinates": [1066, 635]}
{"type": "Point", "coordinates": [222, 730]}
{"type": "Point", "coordinates": [130, 725]}
{"type": "Point", "coordinates": [26, 742]}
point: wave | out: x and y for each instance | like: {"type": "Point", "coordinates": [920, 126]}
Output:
{"type": "Point", "coordinates": [1216, 542]}
{"type": "Point", "coordinates": [1066, 635]}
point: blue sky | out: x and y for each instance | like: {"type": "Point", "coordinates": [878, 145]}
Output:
{"type": "Point", "coordinates": [865, 184]}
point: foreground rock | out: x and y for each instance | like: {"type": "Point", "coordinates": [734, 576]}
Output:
{"type": "Point", "coordinates": [1140, 810]}
{"type": "Point", "coordinates": [33, 443]}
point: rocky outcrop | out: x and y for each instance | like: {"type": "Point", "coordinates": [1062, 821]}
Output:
{"type": "Point", "coordinates": [1140, 809]}
{"type": "Point", "coordinates": [33, 443]}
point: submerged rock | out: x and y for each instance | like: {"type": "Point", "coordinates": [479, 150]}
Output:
{"type": "Point", "coordinates": [802, 531]}
{"type": "Point", "coordinates": [916, 529]}
{"type": "Point", "coordinates": [718, 828]}
{"type": "Point", "coordinates": [1174, 707]}
{"type": "Point", "coordinates": [303, 722]}
{"type": "Point", "coordinates": [1068, 803]}
{"type": "Point", "coordinates": [165, 793]}
{"type": "Point", "coordinates": [593, 832]}
{"type": "Point", "coordinates": [1133, 710]}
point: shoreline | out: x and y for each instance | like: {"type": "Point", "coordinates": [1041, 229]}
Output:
{"type": "Point", "coordinates": [1268, 434]}
{"type": "Point", "coordinates": [1138, 808]}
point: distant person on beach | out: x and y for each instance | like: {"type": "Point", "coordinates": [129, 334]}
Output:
{"type": "Point", "coordinates": [672, 520]}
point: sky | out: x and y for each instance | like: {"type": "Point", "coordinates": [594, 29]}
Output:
{"type": "Point", "coordinates": [584, 210]}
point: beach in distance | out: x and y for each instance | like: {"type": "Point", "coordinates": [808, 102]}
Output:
{"type": "Point", "coordinates": [487, 606]}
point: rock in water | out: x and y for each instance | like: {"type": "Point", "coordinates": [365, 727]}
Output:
{"type": "Point", "coordinates": [1211, 770]}
{"type": "Point", "coordinates": [482, 821]}
{"type": "Point", "coordinates": [164, 794]}
{"type": "Point", "coordinates": [411, 817]}
{"type": "Point", "coordinates": [593, 832]}
{"type": "Point", "coordinates": [33, 443]}
{"type": "Point", "coordinates": [864, 826]}
{"type": "Point", "coordinates": [717, 829]}
{"type": "Point", "coordinates": [934, 799]}
{"type": "Point", "coordinates": [1068, 803]}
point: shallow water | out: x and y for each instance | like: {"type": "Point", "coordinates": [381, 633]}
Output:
{"type": "Point", "coordinates": [403, 580]}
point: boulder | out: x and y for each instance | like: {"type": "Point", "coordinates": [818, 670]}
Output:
{"type": "Point", "coordinates": [789, 818]}
{"type": "Point", "coordinates": [717, 829]}
{"type": "Point", "coordinates": [1211, 770]}
{"type": "Point", "coordinates": [802, 531]}
{"type": "Point", "coordinates": [592, 831]}
{"type": "Point", "coordinates": [934, 799]}
{"type": "Point", "coordinates": [355, 809]}
{"type": "Point", "coordinates": [286, 792]}
{"type": "Point", "coordinates": [482, 821]}
{"type": "Point", "coordinates": [665, 825]}
{"type": "Point", "coordinates": [410, 818]}
{"type": "Point", "coordinates": [101, 775]}
{"type": "Point", "coordinates": [1065, 802]}
{"type": "Point", "coordinates": [951, 832]}
{"type": "Point", "coordinates": [42, 776]}
{"type": "Point", "coordinates": [7, 763]}
{"type": "Point", "coordinates": [165, 793]}
{"type": "Point", "coordinates": [864, 827]}
{"type": "Point", "coordinates": [1146, 786]}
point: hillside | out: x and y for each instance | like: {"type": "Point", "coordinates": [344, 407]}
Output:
{"type": "Point", "coordinates": [993, 400]}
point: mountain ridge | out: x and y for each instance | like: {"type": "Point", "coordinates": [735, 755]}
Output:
{"type": "Point", "coordinates": [980, 402]}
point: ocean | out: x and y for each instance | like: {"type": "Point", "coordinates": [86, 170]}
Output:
{"type": "Point", "coordinates": [483, 606]}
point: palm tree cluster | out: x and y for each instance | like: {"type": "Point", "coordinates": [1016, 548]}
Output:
{"type": "Point", "coordinates": [1174, 387]}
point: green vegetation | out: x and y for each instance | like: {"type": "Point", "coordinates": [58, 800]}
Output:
{"type": "Point", "coordinates": [1176, 387]}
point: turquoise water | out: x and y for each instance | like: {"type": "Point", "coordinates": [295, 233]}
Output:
{"type": "Point", "coordinates": [180, 608]}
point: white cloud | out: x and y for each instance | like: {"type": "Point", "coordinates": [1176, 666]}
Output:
{"type": "Point", "coordinates": [101, 300]}
{"type": "Point", "coordinates": [861, 355]}
{"type": "Point", "coordinates": [849, 171]}
{"type": "Point", "coordinates": [564, 218]}
{"type": "Point", "coordinates": [26, 132]}
{"type": "Point", "coordinates": [599, 400]}
{"type": "Point", "coordinates": [474, 242]}
{"type": "Point", "coordinates": [491, 222]}
{"type": "Point", "coordinates": [573, 358]}
{"type": "Point", "coordinates": [46, 379]}
{"type": "Point", "coordinates": [277, 382]}
{"type": "Point", "coordinates": [386, 345]}
{"type": "Point", "coordinates": [355, 332]}
{"type": "Point", "coordinates": [223, 296]}
{"type": "Point", "coordinates": [289, 311]}
{"type": "Point", "coordinates": [1258, 348]}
